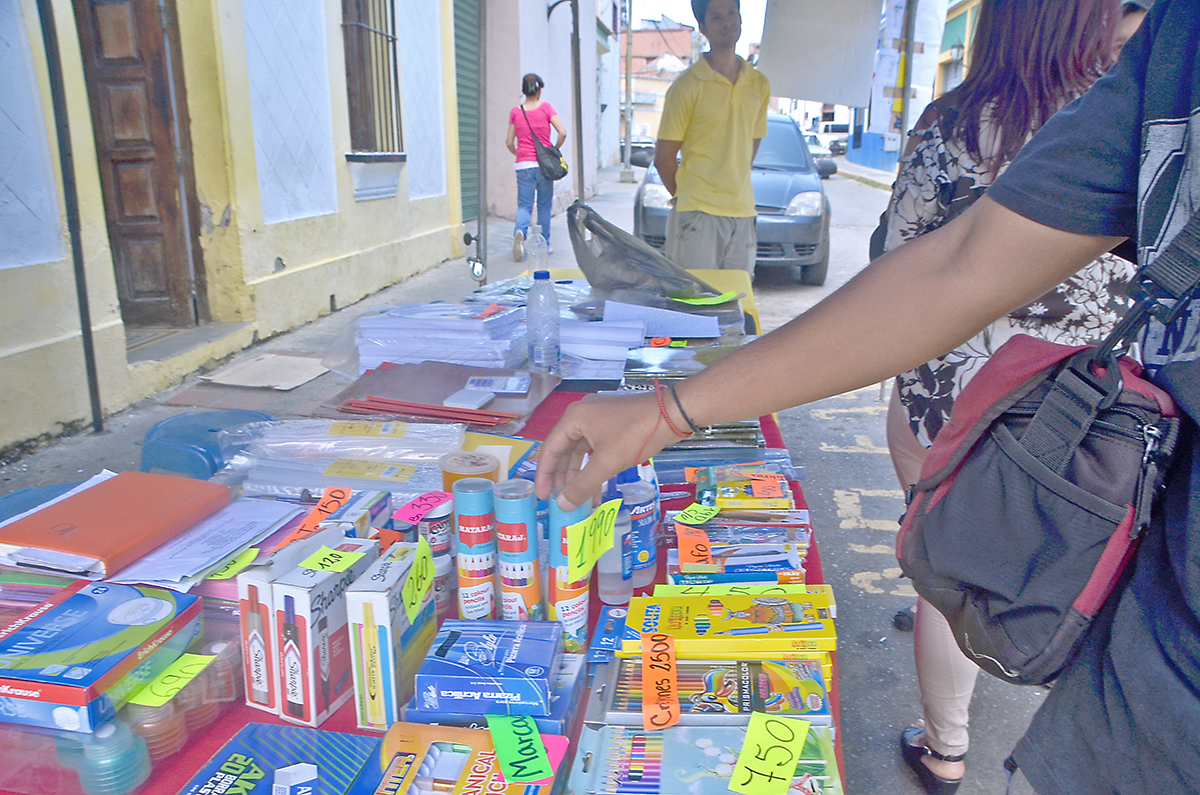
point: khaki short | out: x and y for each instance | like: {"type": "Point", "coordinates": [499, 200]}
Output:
{"type": "Point", "coordinates": [696, 239]}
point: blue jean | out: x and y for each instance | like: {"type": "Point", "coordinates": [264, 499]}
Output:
{"type": "Point", "coordinates": [529, 181]}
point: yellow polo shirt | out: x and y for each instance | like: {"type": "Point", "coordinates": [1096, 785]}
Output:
{"type": "Point", "coordinates": [716, 122]}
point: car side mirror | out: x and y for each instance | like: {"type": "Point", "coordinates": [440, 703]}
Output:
{"type": "Point", "coordinates": [826, 168]}
{"type": "Point", "coordinates": [643, 158]}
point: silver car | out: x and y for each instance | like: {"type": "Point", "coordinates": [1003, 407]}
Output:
{"type": "Point", "coordinates": [793, 211]}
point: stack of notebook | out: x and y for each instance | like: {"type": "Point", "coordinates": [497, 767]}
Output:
{"type": "Point", "coordinates": [490, 336]}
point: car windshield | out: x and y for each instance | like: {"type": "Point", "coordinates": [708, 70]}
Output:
{"type": "Point", "coordinates": [782, 149]}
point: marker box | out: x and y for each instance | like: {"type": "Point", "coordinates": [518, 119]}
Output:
{"type": "Point", "coordinates": [76, 658]}
{"type": "Point", "coordinates": [313, 636]}
{"type": "Point", "coordinates": [385, 648]}
{"type": "Point", "coordinates": [498, 667]}
{"type": "Point", "coordinates": [260, 654]}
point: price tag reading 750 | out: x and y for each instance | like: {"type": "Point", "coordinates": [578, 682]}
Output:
{"type": "Point", "coordinates": [420, 580]}
{"type": "Point", "coordinates": [589, 539]}
{"type": "Point", "coordinates": [767, 763]}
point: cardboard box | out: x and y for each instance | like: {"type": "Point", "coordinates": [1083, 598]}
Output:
{"type": "Point", "coordinates": [313, 636]}
{"type": "Point", "coordinates": [362, 512]}
{"type": "Point", "coordinates": [260, 655]}
{"type": "Point", "coordinates": [76, 658]}
{"type": "Point", "coordinates": [386, 649]}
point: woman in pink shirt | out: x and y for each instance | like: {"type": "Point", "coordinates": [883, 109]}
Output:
{"type": "Point", "coordinates": [532, 116]}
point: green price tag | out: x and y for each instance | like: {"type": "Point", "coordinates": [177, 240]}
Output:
{"type": "Point", "coordinates": [767, 763]}
{"type": "Point", "coordinates": [519, 749]}
{"type": "Point", "coordinates": [235, 565]}
{"type": "Point", "coordinates": [171, 681]}
{"type": "Point", "coordinates": [697, 514]}
{"type": "Point", "coordinates": [326, 559]}
{"type": "Point", "coordinates": [589, 539]}
{"type": "Point", "coordinates": [710, 300]}
{"type": "Point", "coordinates": [420, 581]}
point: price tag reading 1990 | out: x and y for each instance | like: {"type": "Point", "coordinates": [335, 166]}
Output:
{"type": "Point", "coordinates": [660, 684]}
{"type": "Point", "coordinates": [767, 763]}
{"type": "Point", "coordinates": [589, 539]}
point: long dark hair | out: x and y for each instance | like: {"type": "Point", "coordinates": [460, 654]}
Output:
{"type": "Point", "coordinates": [1029, 58]}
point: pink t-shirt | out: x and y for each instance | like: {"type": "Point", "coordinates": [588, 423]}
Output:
{"type": "Point", "coordinates": [539, 119]}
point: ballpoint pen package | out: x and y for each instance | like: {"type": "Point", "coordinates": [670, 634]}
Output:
{"type": "Point", "coordinates": [313, 635]}
{"type": "Point", "coordinates": [735, 626]}
{"type": "Point", "coordinates": [419, 759]}
{"type": "Point", "coordinates": [386, 648]}
{"type": "Point", "coordinates": [686, 760]}
{"type": "Point", "coordinates": [566, 696]}
{"type": "Point", "coordinates": [496, 667]}
{"type": "Point", "coordinates": [76, 658]}
{"type": "Point", "coordinates": [260, 653]}
{"type": "Point", "coordinates": [718, 692]}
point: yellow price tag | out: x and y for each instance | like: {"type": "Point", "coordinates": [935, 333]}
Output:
{"type": "Point", "coordinates": [171, 681]}
{"type": "Point", "coordinates": [710, 300]}
{"type": "Point", "coordinates": [420, 581]}
{"type": "Point", "coordinates": [697, 514]}
{"type": "Point", "coordinates": [235, 565]}
{"type": "Point", "coordinates": [589, 539]}
{"type": "Point", "coordinates": [326, 559]}
{"type": "Point", "coordinates": [767, 763]}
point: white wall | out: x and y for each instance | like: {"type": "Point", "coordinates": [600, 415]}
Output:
{"type": "Point", "coordinates": [29, 213]}
{"type": "Point", "coordinates": [608, 85]}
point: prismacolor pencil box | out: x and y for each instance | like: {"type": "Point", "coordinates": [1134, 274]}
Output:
{"type": "Point", "coordinates": [686, 760]}
{"type": "Point", "coordinates": [720, 692]}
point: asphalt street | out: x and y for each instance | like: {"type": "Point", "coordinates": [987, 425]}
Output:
{"type": "Point", "coordinates": [841, 442]}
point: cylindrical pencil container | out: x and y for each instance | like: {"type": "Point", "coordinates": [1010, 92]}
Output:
{"type": "Point", "coordinates": [437, 527]}
{"type": "Point", "coordinates": [445, 584]}
{"type": "Point", "coordinates": [475, 529]}
{"type": "Point", "coordinates": [199, 707]}
{"type": "Point", "coordinates": [456, 466]}
{"type": "Point", "coordinates": [568, 603]}
{"type": "Point", "coordinates": [115, 761]}
{"type": "Point", "coordinates": [164, 728]}
{"type": "Point", "coordinates": [516, 542]}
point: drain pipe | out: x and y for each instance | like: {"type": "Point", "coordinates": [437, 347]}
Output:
{"type": "Point", "coordinates": [71, 199]}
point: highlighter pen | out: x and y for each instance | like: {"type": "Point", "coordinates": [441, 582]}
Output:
{"type": "Point", "coordinates": [811, 625]}
{"type": "Point", "coordinates": [293, 680]}
{"type": "Point", "coordinates": [256, 657]}
{"type": "Point", "coordinates": [323, 653]}
{"type": "Point", "coordinates": [371, 666]}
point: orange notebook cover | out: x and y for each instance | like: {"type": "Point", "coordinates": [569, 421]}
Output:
{"type": "Point", "coordinates": [103, 529]}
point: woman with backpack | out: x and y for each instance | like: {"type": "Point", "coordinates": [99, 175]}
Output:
{"type": "Point", "coordinates": [1029, 59]}
{"type": "Point", "coordinates": [532, 117]}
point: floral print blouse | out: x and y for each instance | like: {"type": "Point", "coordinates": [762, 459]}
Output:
{"type": "Point", "coordinates": [939, 180]}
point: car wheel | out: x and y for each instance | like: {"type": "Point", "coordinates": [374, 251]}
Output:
{"type": "Point", "coordinates": [814, 275]}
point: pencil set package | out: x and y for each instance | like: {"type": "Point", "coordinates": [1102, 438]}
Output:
{"type": "Point", "coordinates": [385, 647]}
{"type": "Point", "coordinates": [735, 626]}
{"type": "Point", "coordinates": [750, 527]}
{"type": "Point", "coordinates": [686, 760]}
{"type": "Point", "coordinates": [719, 692]}
{"type": "Point", "coordinates": [735, 563]}
{"type": "Point", "coordinates": [496, 667]}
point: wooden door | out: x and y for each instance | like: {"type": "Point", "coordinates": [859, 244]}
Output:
{"type": "Point", "coordinates": [135, 89]}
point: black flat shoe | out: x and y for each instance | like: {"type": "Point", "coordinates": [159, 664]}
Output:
{"type": "Point", "coordinates": [933, 784]}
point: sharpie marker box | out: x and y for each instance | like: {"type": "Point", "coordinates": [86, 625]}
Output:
{"type": "Point", "coordinates": [76, 658]}
{"type": "Point", "coordinates": [260, 653]}
{"type": "Point", "coordinates": [313, 635]}
{"type": "Point", "coordinates": [386, 649]}
{"type": "Point", "coordinates": [566, 696]}
{"type": "Point", "coordinates": [482, 666]}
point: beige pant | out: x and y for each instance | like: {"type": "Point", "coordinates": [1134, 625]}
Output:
{"type": "Point", "coordinates": [945, 674]}
{"type": "Point", "coordinates": [696, 239]}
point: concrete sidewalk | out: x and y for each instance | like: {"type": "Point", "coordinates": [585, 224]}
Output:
{"type": "Point", "coordinates": [118, 447]}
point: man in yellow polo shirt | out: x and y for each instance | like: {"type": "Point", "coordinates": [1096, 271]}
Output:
{"type": "Point", "coordinates": [714, 115]}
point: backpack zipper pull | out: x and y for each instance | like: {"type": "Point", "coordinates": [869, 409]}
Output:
{"type": "Point", "coordinates": [1147, 477]}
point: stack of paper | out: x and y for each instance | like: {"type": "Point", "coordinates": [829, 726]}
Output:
{"type": "Point", "coordinates": [607, 340]}
{"type": "Point", "coordinates": [442, 332]}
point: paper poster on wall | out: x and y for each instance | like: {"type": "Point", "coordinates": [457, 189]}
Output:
{"type": "Point", "coordinates": [422, 86]}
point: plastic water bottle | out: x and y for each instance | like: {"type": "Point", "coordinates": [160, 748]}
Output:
{"type": "Point", "coordinates": [614, 570]}
{"type": "Point", "coordinates": [541, 320]}
{"type": "Point", "coordinates": [537, 249]}
{"type": "Point", "coordinates": [641, 498]}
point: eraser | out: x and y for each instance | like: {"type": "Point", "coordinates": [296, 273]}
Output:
{"type": "Point", "coordinates": [469, 399]}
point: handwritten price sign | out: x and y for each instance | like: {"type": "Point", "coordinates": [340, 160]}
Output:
{"type": "Point", "coordinates": [171, 681]}
{"type": "Point", "coordinates": [519, 749]}
{"type": "Point", "coordinates": [420, 581]}
{"type": "Point", "coordinates": [331, 500]}
{"type": "Point", "coordinates": [415, 511]}
{"type": "Point", "coordinates": [660, 682]}
{"type": "Point", "coordinates": [326, 559]}
{"type": "Point", "coordinates": [697, 514]}
{"type": "Point", "coordinates": [767, 763]}
{"type": "Point", "coordinates": [589, 539]}
{"type": "Point", "coordinates": [694, 546]}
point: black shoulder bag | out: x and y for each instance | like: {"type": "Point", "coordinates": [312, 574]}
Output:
{"type": "Point", "coordinates": [550, 160]}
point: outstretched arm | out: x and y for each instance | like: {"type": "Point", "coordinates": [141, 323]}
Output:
{"type": "Point", "coordinates": [907, 307]}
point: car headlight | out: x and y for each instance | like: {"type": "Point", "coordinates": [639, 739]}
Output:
{"type": "Point", "coordinates": [810, 202]}
{"type": "Point", "coordinates": [656, 196]}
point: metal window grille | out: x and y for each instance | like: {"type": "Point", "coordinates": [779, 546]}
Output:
{"type": "Point", "coordinates": [372, 85]}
